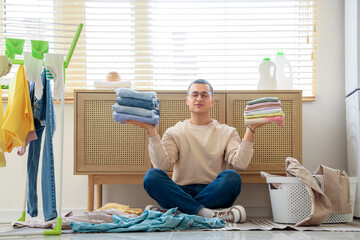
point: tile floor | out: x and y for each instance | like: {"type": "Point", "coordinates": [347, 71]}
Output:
{"type": "Point", "coordinates": [197, 235]}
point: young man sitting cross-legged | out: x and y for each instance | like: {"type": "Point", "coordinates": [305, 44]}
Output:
{"type": "Point", "coordinates": [199, 149]}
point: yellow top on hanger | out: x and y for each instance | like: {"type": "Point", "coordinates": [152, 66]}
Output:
{"type": "Point", "coordinates": [19, 120]}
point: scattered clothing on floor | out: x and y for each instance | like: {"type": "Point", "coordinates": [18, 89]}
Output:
{"type": "Point", "coordinates": [122, 208]}
{"type": "Point", "coordinates": [259, 224]}
{"type": "Point", "coordinates": [96, 217]}
{"type": "Point", "coordinates": [150, 221]}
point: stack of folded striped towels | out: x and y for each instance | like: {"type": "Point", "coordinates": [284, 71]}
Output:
{"type": "Point", "coordinates": [139, 106]}
{"type": "Point", "coordinates": [264, 110]}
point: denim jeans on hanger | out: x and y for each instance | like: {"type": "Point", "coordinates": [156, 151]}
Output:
{"type": "Point", "coordinates": [44, 118]}
{"type": "Point", "coordinates": [221, 193]}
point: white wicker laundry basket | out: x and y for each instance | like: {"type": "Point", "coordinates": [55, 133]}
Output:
{"type": "Point", "coordinates": [291, 203]}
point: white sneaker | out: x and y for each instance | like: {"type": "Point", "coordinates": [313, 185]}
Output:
{"type": "Point", "coordinates": [234, 214]}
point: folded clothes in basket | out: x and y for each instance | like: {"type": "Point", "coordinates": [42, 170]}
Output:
{"type": "Point", "coordinates": [333, 197]}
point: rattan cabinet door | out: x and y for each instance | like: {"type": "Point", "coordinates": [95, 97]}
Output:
{"type": "Point", "coordinates": [103, 145]}
{"type": "Point", "coordinates": [272, 143]}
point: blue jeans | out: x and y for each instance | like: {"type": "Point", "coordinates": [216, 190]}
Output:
{"type": "Point", "coordinates": [133, 102]}
{"type": "Point", "coordinates": [44, 118]}
{"type": "Point", "coordinates": [221, 193]}
{"type": "Point", "coordinates": [146, 96]}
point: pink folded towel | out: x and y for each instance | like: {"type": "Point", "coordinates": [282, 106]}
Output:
{"type": "Point", "coordinates": [278, 119]}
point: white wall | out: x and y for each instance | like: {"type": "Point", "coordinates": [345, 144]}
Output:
{"type": "Point", "coordinates": [324, 140]}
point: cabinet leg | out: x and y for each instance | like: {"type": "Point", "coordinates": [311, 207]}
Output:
{"type": "Point", "coordinates": [99, 189]}
{"type": "Point", "coordinates": [90, 193]}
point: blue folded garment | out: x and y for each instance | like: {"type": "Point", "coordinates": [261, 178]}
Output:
{"type": "Point", "coordinates": [122, 117]}
{"type": "Point", "coordinates": [150, 221]}
{"type": "Point", "coordinates": [133, 102]}
{"type": "Point", "coordinates": [126, 92]}
{"type": "Point", "coordinates": [133, 110]}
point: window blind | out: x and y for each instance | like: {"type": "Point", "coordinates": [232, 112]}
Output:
{"type": "Point", "coordinates": [166, 44]}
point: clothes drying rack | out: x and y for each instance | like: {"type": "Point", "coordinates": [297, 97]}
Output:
{"type": "Point", "coordinates": [58, 227]}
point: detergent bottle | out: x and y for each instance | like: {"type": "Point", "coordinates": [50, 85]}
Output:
{"type": "Point", "coordinates": [284, 74]}
{"type": "Point", "coordinates": [267, 71]}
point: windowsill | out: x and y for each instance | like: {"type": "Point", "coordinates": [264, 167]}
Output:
{"type": "Point", "coordinates": [309, 99]}
{"type": "Point", "coordinates": [69, 99]}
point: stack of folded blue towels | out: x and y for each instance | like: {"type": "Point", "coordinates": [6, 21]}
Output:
{"type": "Point", "coordinates": [139, 106]}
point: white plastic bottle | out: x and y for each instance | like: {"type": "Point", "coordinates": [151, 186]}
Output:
{"type": "Point", "coordinates": [284, 74]}
{"type": "Point", "coordinates": [267, 71]}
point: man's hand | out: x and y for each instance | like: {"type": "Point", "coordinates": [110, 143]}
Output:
{"type": "Point", "coordinates": [257, 125]}
{"type": "Point", "coordinates": [249, 134]}
{"type": "Point", "coordinates": [150, 128]}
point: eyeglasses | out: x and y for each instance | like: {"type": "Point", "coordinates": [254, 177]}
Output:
{"type": "Point", "coordinates": [195, 95]}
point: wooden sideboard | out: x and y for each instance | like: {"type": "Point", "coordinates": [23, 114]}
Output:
{"type": "Point", "coordinates": [114, 153]}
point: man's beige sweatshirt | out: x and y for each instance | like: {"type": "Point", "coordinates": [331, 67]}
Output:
{"type": "Point", "coordinates": [198, 153]}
